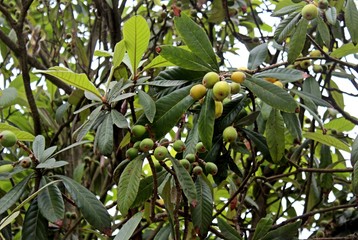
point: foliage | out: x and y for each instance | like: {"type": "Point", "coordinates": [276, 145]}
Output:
{"type": "Point", "coordinates": [77, 76]}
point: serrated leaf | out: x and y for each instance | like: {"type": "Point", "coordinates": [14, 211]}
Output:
{"type": "Point", "coordinates": [275, 135]}
{"type": "Point", "coordinates": [91, 208]}
{"type": "Point", "coordinates": [283, 74]}
{"type": "Point", "coordinates": [185, 180]}
{"type": "Point", "coordinates": [328, 140]}
{"type": "Point", "coordinates": [183, 58]}
{"type": "Point", "coordinates": [51, 163]}
{"type": "Point", "coordinates": [257, 56]}
{"type": "Point", "coordinates": [262, 227]}
{"type": "Point", "coordinates": [7, 97]}
{"type": "Point", "coordinates": [340, 124]}
{"type": "Point", "coordinates": [271, 94]}
{"type": "Point", "coordinates": [206, 120]}
{"type": "Point", "coordinates": [197, 40]}
{"type": "Point", "coordinates": [202, 212]}
{"type": "Point", "coordinates": [297, 40]}
{"type": "Point", "coordinates": [148, 105]}
{"type": "Point", "coordinates": [227, 230]}
{"type": "Point", "coordinates": [11, 197]}
{"type": "Point", "coordinates": [311, 86]}
{"type": "Point", "coordinates": [50, 202]}
{"type": "Point", "coordinates": [21, 135]}
{"type": "Point", "coordinates": [35, 225]}
{"type": "Point", "coordinates": [286, 26]}
{"type": "Point", "coordinates": [165, 83]}
{"type": "Point", "coordinates": [293, 124]}
{"type": "Point", "coordinates": [105, 135]}
{"type": "Point", "coordinates": [38, 146]}
{"type": "Point", "coordinates": [136, 36]}
{"type": "Point", "coordinates": [128, 184]}
{"type": "Point", "coordinates": [118, 54]}
{"type": "Point", "coordinates": [287, 10]}
{"type": "Point", "coordinates": [331, 15]}
{"type": "Point", "coordinates": [354, 153]}
{"type": "Point", "coordinates": [78, 80]}
{"type": "Point", "coordinates": [344, 50]}
{"type": "Point", "coordinates": [158, 61]}
{"type": "Point", "coordinates": [323, 30]}
{"type": "Point", "coordinates": [288, 231]}
{"type": "Point", "coordinates": [192, 139]}
{"type": "Point", "coordinates": [338, 96]}
{"type": "Point", "coordinates": [129, 227]}
{"type": "Point", "coordinates": [118, 119]}
{"type": "Point", "coordinates": [259, 141]}
{"type": "Point", "coordinates": [310, 97]}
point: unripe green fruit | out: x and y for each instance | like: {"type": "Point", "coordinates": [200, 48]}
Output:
{"type": "Point", "coordinates": [164, 142]}
{"type": "Point", "coordinates": [309, 11]}
{"type": "Point", "coordinates": [136, 144]}
{"type": "Point", "coordinates": [138, 131]}
{"type": "Point", "coordinates": [219, 108]}
{"type": "Point", "coordinates": [185, 163]}
{"type": "Point", "coordinates": [68, 215]}
{"type": "Point", "coordinates": [198, 91]}
{"type": "Point", "coordinates": [315, 53]}
{"type": "Point", "coordinates": [200, 148]}
{"type": "Point", "coordinates": [323, 4]}
{"type": "Point", "coordinates": [7, 138]}
{"type": "Point", "coordinates": [160, 152]}
{"type": "Point", "coordinates": [210, 79]}
{"type": "Point", "coordinates": [146, 144]}
{"type": "Point", "coordinates": [230, 134]}
{"type": "Point", "coordinates": [6, 168]}
{"type": "Point", "coordinates": [211, 168]}
{"type": "Point", "coordinates": [221, 90]}
{"type": "Point", "coordinates": [235, 87]}
{"type": "Point", "coordinates": [238, 77]}
{"type": "Point", "coordinates": [320, 234]}
{"type": "Point", "coordinates": [158, 167]}
{"type": "Point", "coordinates": [317, 68]}
{"type": "Point", "coordinates": [305, 64]}
{"type": "Point", "coordinates": [132, 153]}
{"type": "Point", "coordinates": [25, 162]}
{"type": "Point", "coordinates": [179, 146]}
{"type": "Point", "coordinates": [197, 170]}
{"type": "Point", "coordinates": [190, 157]}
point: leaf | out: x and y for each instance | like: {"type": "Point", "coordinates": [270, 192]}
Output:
{"type": "Point", "coordinates": [129, 227]}
{"type": "Point", "coordinates": [38, 146]}
{"type": "Point", "coordinates": [257, 56]}
{"type": "Point", "coordinates": [323, 30]}
{"type": "Point", "coordinates": [118, 119]}
{"type": "Point", "coordinates": [310, 97]}
{"type": "Point", "coordinates": [287, 10]}
{"type": "Point", "coordinates": [91, 208]}
{"type": "Point", "coordinates": [47, 153]}
{"type": "Point", "coordinates": [118, 54]}
{"type": "Point", "coordinates": [50, 202]}
{"type": "Point", "coordinates": [11, 197]}
{"type": "Point", "coordinates": [293, 124]}
{"type": "Point", "coordinates": [337, 96]}
{"type": "Point", "coordinates": [165, 83]}
{"type": "Point", "coordinates": [192, 139]}
{"type": "Point", "coordinates": [283, 74]}
{"type": "Point", "coordinates": [78, 80]}
{"type": "Point", "coordinates": [354, 153]}
{"type": "Point", "coordinates": [288, 231]}
{"type": "Point", "coordinates": [105, 135]}
{"type": "Point", "coordinates": [184, 58]}
{"type": "Point", "coordinates": [271, 94]}
{"type": "Point", "coordinates": [262, 227]}
{"type": "Point", "coordinates": [158, 61]}
{"type": "Point", "coordinates": [331, 15]}
{"type": "Point", "coordinates": [314, 196]}
{"type": "Point", "coordinates": [286, 26]}
{"type": "Point", "coordinates": [227, 230]}
{"type": "Point", "coordinates": [311, 86]}
{"type": "Point", "coordinates": [5, 221]}
{"type": "Point", "coordinates": [328, 140]}
{"type": "Point", "coordinates": [7, 97]}
{"type": "Point", "coordinates": [355, 178]}
{"type": "Point", "coordinates": [122, 96]}
{"type": "Point", "coordinates": [340, 124]}
{"type": "Point", "coordinates": [297, 40]}
{"type": "Point", "coordinates": [128, 184]}
{"type": "Point", "coordinates": [197, 40]}
{"type": "Point", "coordinates": [206, 120]}
{"type": "Point", "coordinates": [185, 180]}
{"type": "Point", "coordinates": [148, 105]}
{"type": "Point", "coordinates": [259, 141]}
{"type": "Point", "coordinates": [275, 135]}
{"type": "Point", "coordinates": [35, 225]}
{"type": "Point", "coordinates": [230, 114]}
{"type": "Point", "coordinates": [136, 36]}
{"type": "Point", "coordinates": [202, 212]}
{"type": "Point", "coordinates": [217, 13]}
{"type": "Point", "coordinates": [21, 135]}
{"type": "Point", "coordinates": [52, 163]}
{"type": "Point", "coordinates": [344, 50]}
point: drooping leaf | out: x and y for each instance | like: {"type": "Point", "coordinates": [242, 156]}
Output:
{"type": "Point", "coordinates": [50, 202]}
{"type": "Point", "coordinates": [286, 26]}
{"type": "Point", "coordinates": [297, 40]}
{"type": "Point", "coordinates": [283, 74]}
{"type": "Point", "coordinates": [206, 120]}
{"type": "Point", "coordinates": [323, 30]}
{"type": "Point", "coordinates": [192, 139]}
{"type": "Point", "coordinates": [7, 97]}
{"type": "Point", "coordinates": [288, 231]}
{"type": "Point", "coordinates": [217, 13]}
{"type": "Point", "coordinates": [293, 124]}
{"type": "Point", "coordinates": [6, 221]}
{"type": "Point", "coordinates": [331, 15]}
{"type": "Point", "coordinates": [259, 141]}
{"type": "Point", "coordinates": [129, 227]}
{"type": "Point", "coordinates": [38, 146]}
{"type": "Point", "coordinates": [354, 153]}
{"type": "Point", "coordinates": [35, 225]}
{"type": "Point", "coordinates": [344, 50]}
{"type": "Point", "coordinates": [275, 135]}
{"type": "Point", "coordinates": [310, 97]}
{"type": "Point", "coordinates": [136, 36]}
{"type": "Point", "coordinates": [355, 178]}
{"type": "Point", "coordinates": [21, 135]}
{"type": "Point", "coordinates": [338, 96]}
{"type": "Point", "coordinates": [202, 212]}
{"type": "Point", "coordinates": [163, 233]}
{"type": "Point", "coordinates": [197, 40]}
{"type": "Point", "coordinates": [314, 196]}
{"type": "Point", "coordinates": [227, 230]}
{"type": "Point", "coordinates": [230, 113]}
{"type": "Point", "coordinates": [328, 140]}
{"type": "Point", "coordinates": [78, 80]}
{"type": "Point", "coordinates": [271, 94]}
{"type": "Point", "coordinates": [311, 86]}
{"type": "Point", "coordinates": [262, 227]}
{"type": "Point", "coordinates": [340, 124]}
{"type": "Point", "coordinates": [128, 184]}
{"type": "Point", "coordinates": [148, 105]}
{"type": "Point", "coordinates": [105, 135]}
{"type": "Point", "coordinates": [91, 208]}
{"type": "Point", "coordinates": [257, 56]}
{"type": "Point", "coordinates": [118, 119]}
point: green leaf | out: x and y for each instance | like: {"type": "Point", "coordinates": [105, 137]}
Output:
{"type": "Point", "coordinates": [202, 212]}
{"type": "Point", "coordinates": [288, 231]}
{"type": "Point", "coordinates": [323, 30]}
{"type": "Point", "coordinates": [340, 124]}
{"type": "Point", "coordinates": [158, 61]}
{"type": "Point", "coordinates": [354, 154]}
{"type": "Point", "coordinates": [185, 180]}
{"type": "Point", "coordinates": [11, 197]}
{"type": "Point", "coordinates": [197, 40]}
{"type": "Point", "coordinates": [192, 139]}
{"type": "Point", "coordinates": [105, 135]}
{"type": "Point", "coordinates": [217, 13]}
{"type": "Point", "coordinates": [118, 119]}
{"type": "Point", "coordinates": [283, 74]}
{"type": "Point", "coordinates": [271, 94]}
{"type": "Point", "coordinates": [355, 178]}
{"type": "Point", "coordinates": [328, 140]}
{"type": "Point", "coordinates": [259, 141]}
{"type": "Point", "coordinates": [311, 86]}
{"type": "Point", "coordinates": [337, 96]}
{"type": "Point", "coordinates": [47, 153]}
{"type": "Point", "coordinates": [38, 146]}
{"type": "Point", "coordinates": [230, 114]}
{"type": "Point", "coordinates": [50, 202]}
{"type": "Point", "coordinates": [148, 105]}
{"type": "Point", "coordinates": [275, 135]}
{"type": "Point", "coordinates": [5, 221]}
{"type": "Point", "coordinates": [129, 227]}
{"type": "Point", "coordinates": [293, 124]}
{"type": "Point", "coordinates": [78, 80]}
{"type": "Point", "coordinates": [21, 135]}
{"type": "Point", "coordinates": [297, 40]}
{"type": "Point", "coordinates": [287, 10]}
{"type": "Point", "coordinates": [331, 15]}
{"type": "Point", "coordinates": [314, 196]}
{"type": "Point", "coordinates": [165, 83]}
{"type": "Point", "coordinates": [227, 230]}
{"type": "Point", "coordinates": [35, 225]}
{"type": "Point", "coordinates": [136, 36]}
{"type": "Point", "coordinates": [286, 26]}
{"type": "Point", "coordinates": [102, 53]}
{"type": "Point", "coordinates": [52, 163]}
{"type": "Point", "coordinates": [310, 97]}
{"type": "Point", "coordinates": [118, 54]}
{"type": "Point", "coordinates": [184, 58]}
{"type": "Point", "coordinates": [91, 208]}
{"type": "Point", "coordinates": [206, 120]}
{"type": "Point", "coordinates": [257, 56]}
{"type": "Point", "coordinates": [344, 50]}
{"type": "Point", "coordinates": [262, 227]}
{"type": "Point", "coordinates": [7, 97]}
{"type": "Point", "coordinates": [128, 184]}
